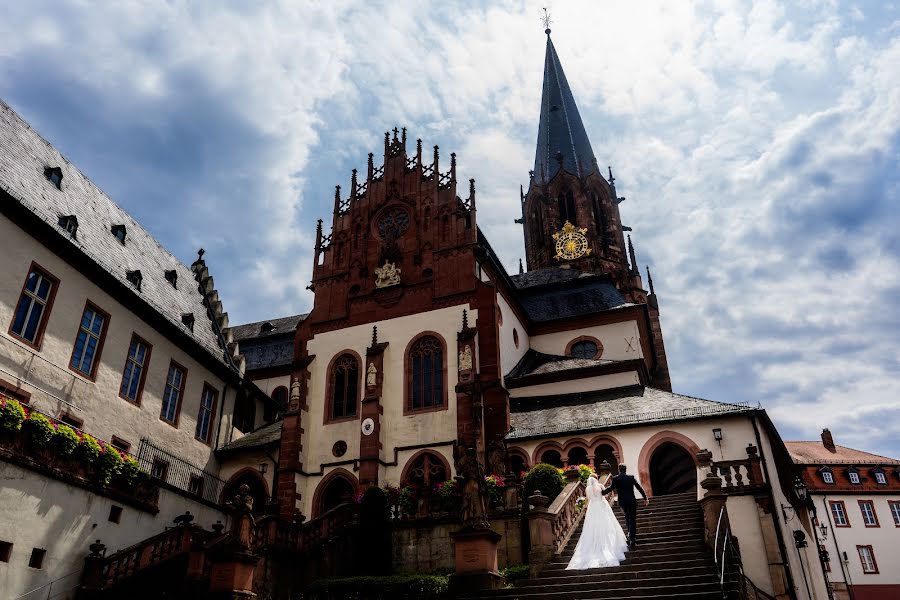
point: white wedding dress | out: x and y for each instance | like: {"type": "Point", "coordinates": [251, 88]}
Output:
{"type": "Point", "coordinates": [602, 542]}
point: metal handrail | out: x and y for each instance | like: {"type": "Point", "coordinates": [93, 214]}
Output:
{"type": "Point", "coordinates": [49, 585]}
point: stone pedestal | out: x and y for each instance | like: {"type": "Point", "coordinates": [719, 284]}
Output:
{"type": "Point", "coordinates": [476, 561]}
{"type": "Point", "coordinates": [540, 530]}
{"type": "Point", "coordinates": [232, 577]}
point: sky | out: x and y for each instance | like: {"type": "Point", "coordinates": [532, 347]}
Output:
{"type": "Point", "coordinates": [757, 144]}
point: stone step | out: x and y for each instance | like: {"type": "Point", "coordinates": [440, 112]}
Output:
{"type": "Point", "coordinates": [607, 584]}
{"type": "Point", "coordinates": [634, 567]}
{"type": "Point", "coordinates": [703, 591]}
{"type": "Point", "coordinates": [644, 545]}
{"type": "Point", "coordinates": [681, 568]}
{"type": "Point", "coordinates": [647, 557]}
{"type": "Point", "coordinates": [648, 531]}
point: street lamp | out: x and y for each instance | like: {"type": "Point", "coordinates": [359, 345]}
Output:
{"type": "Point", "coordinates": [800, 489]}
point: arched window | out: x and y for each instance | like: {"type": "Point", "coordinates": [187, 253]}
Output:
{"type": "Point", "coordinates": [426, 374]}
{"type": "Point", "coordinates": [280, 396]}
{"type": "Point", "coordinates": [566, 208]}
{"type": "Point", "coordinates": [425, 470]}
{"type": "Point", "coordinates": [552, 457]}
{"type": "Point", "coordinates": [584, 347]}
{"type": "Point", "coordinates": [344, 388]}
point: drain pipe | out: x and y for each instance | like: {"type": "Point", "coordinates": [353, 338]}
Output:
{"type": "Point", "coordinates": [779, 535]}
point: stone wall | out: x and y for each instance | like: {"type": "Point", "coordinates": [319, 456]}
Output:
{"type": "Point", "coordinates": [425, 547]}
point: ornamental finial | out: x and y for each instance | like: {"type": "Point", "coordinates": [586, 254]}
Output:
{"type": "Point", "coordinates": [545, 19]}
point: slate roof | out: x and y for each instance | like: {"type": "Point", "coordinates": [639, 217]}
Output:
{"type": "Point", "coordinates": [280, 326]}
{"type": "Point", "coordinates": [24, 155]}
{"type": "Point", "coordinates": [560, 129]}
{"type": "Point", "coordinates": [266, 435]}
{"type": "Point", "coordinates": [814, 453]}
{"type": "Point", "coordinates": [592, 411]}
{"type": "Point", "coordinates": [537, 363]}
{"type": "Point", "coordinates": [554, 293]}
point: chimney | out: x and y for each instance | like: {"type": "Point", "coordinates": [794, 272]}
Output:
{"type": "Point", "coordinates": [827, 440]}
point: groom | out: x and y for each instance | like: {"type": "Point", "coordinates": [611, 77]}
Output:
{"type": "Point", "coordinates": [624, 484]}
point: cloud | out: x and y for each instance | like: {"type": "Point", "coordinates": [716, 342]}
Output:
{"type": "Point", "coordinates": [757, 143]}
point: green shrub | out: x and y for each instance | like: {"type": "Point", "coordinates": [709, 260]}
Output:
{"type": "Point", "coordinates": [408, 499]}
{"type": "Point", "coordinates": [109, 465]}
{"type": "Point", "coordinates": [11, 414]}
{"type": "Point", "coordinates": [584, 471]}
{"type": "Point", "coordinates": [39, 428]}
{"type": "Point", "coordinates": [64, 439]}
{"type": "Point", "coordinates": [515, 573]}
{"type": "Point", "coordinates": [394, 587]}
{"type": "Point", "coordinates": [88, 448]}
{"type": "Point", "coordinates": [545, 478]}
{"type": "Point", "coordinates": [130, 470]}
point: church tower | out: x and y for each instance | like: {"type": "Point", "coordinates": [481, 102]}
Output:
{"type": "Point", "coordinates": [571, 212]}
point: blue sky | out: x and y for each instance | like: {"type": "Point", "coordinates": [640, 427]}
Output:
{"type": "Point", "coordinates": [758, 147]}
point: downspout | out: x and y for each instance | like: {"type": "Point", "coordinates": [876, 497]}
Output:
{"type": "Point", "coordinates": [840, 555]}
{"type": "Point", "coordinates": [221, 414]}
{"type": "Point", "coordinates": [778, 533]}
{"type": "Point", "coordinates": [274, 474]}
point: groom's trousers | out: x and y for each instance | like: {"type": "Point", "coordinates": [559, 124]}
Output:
{"type": "Point", "coordinates": [630, 510]}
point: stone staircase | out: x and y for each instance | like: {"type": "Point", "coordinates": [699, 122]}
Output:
{"type": "Point", "coordinates": [670, 561]}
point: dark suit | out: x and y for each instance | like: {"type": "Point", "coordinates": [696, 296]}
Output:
{"type": "Point", "coordinates": [624, 485]}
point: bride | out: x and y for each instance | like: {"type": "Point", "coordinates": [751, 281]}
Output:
{"type": "Point", "coordinates": [602, 542]}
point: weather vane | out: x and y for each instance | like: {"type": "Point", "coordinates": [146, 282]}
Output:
{"type": "Point", "coordinates": [546, 20]}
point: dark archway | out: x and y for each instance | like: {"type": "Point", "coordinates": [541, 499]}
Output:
{"type": "Point", "coordinates": [578, 456]}
{"type": "Point", "coordinates": [254, 481]}
{"type": "Point", "coordinates": [552, 457]}
{"type": "Point", "coordinates": [672, 470]}
{"type": "Point", "coordinates": [336, 492]}
{"type": "Point", "coordinates": [605, 452]}
{"type": "Point", "coordinates": [518, 463]}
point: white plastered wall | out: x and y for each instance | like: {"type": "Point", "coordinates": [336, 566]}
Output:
{"type": "Point", "coordinates": [885, 539]}
{"type": "Point", "coordinates": [509, 353]}
{"type": "Point", "coordinates": [104, 413]}
{"type": "Point", "coordinates": [621, 341]}
{"type": "Point", "coordinates": [573, 386]}
{"type": "Point", "coordinates": [397, 429]}
{"type": "Point", "coordinates": [40, 512]}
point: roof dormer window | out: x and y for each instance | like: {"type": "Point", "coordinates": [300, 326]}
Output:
{"type": "Point", "coordinates": [54, 176]}
{"type": "Point", "coordinates": [827, 476]}
{"type": "Point", "coordinates": [853, 474]}
{"type": "Point", "coordinates": [188, 320]}
{"type": "Point", "coordinates": [135, 278]}
{"type": "Point", "coordinates": [880, 476]}
{"type": "Point", "coordinates": [172, 277]}
{"type": "Point", "coordinates": [266, 327]}
{"type": "Point", "coordinates": [119, 232]}
{"type": "Point", "coordinates": [69, 223]}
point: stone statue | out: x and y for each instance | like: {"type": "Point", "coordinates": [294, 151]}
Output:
{"type": "Point", "coordinates": [371, 375]}
{"type": "Point", "coordinates": [243, 523]}
{"type": "Point", "coordinates": [465, 359]}
{"type": "Point", "coordinates": [387, 275]}
{"type": "Point", "coordinates": [471, 475]}
{"type": "Point", "coordinates": [295, 392]}
{"type": "Point", "coordinates": [497, 458]}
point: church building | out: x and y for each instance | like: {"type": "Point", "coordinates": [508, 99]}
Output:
{"type": "Point", "coordinates": [421, 360]}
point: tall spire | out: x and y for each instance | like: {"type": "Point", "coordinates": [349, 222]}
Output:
{"type": "Point", "coordinates": [561, 131]}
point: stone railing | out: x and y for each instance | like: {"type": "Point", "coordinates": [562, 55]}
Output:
{"type": "Point", "coordinates": [272, 533]}
{"type": "Point", "coordinates": [102, 572]}
{"type": "Point", "coordinates": [550, 527]}
{"type": "Point", "coordinates": [740, 476]}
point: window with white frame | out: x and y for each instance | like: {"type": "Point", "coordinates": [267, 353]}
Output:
{"type": "Point", "coordinates": [867, 508]}
{"type": "Point", "coordinates": [867, 558]}
{"type": "Point", "coordinates": [895, 511]}
{"type": "Point", "coordinates": [827, 477]}
{"type": "Point", "coordinates": [839, 514]}
{"type": "Point", "coordinates": [854, 477]}
{"type": "Point", "coordinates": [880, 478]}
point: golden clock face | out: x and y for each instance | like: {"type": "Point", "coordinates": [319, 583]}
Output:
{"type": "Point", "coordinates": [571, 243]}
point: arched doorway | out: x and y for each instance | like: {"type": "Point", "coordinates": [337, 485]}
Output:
{"type": "Point", "coordinates": [672, 470]}
{"type": "Point", "coordinates": [552, 457]}
{"type": "Point", "coordinates": [254, 481]}
{"type": "Point", "coordinates": [578, 456]}
{"type": "Point", "coordinates": [606, 453]}
{"type": "Point", "coordinates": [518, 463]}
{"type": "Point", "coordinates": [332, 493]}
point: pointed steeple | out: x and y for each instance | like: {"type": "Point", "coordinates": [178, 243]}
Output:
{"type": "Point", "coordinates": [561, 133]}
